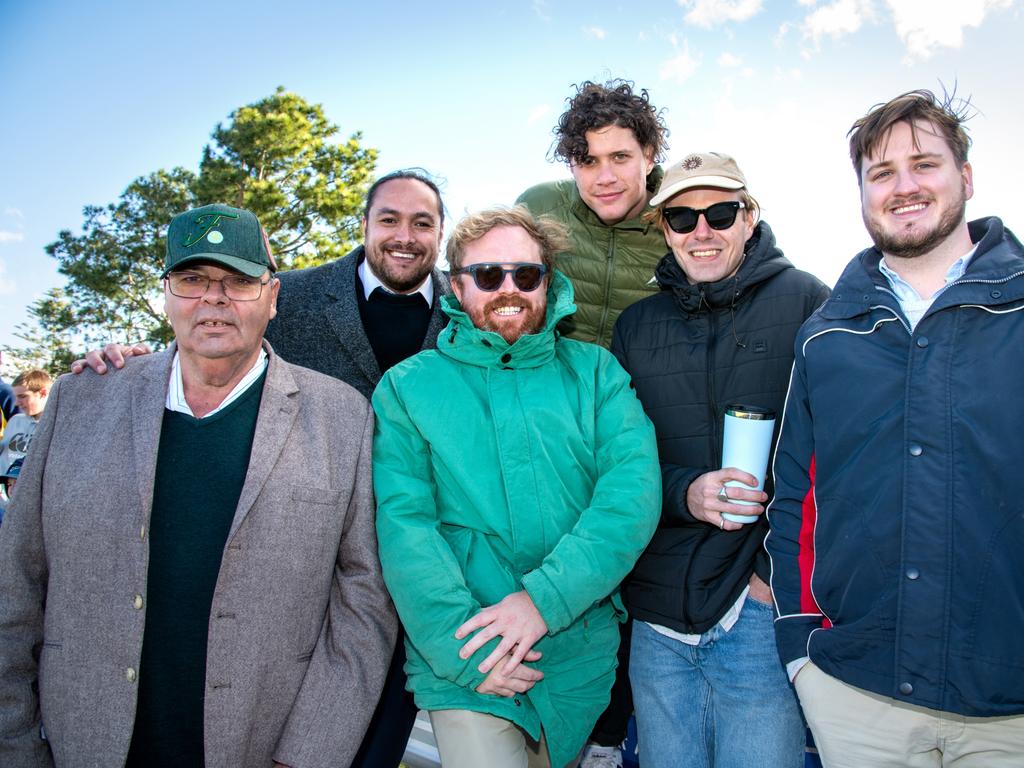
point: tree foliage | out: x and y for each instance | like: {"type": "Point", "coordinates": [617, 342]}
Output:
{"type": "Point", "coordinates": [278, 157]}
{"type": "Point", "coordinates": [48, 344]}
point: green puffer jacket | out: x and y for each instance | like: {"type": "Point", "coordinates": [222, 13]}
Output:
{"type": "Point", "coordinates": [610, 266]}
{"type": "Point", "coordinates": [504, 467]}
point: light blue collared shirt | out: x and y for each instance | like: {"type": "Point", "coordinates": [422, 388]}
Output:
{"type": "Point", "coordinates": [911, 303]}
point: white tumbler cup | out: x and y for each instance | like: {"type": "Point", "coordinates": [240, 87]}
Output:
{"type": "Point", "coordinates": [746, 442]}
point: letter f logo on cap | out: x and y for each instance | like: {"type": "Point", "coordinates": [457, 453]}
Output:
{"type": "Point", "coordinates": [207, 222]}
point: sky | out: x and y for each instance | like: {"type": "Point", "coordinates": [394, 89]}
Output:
{"type": "Point", "coordinates": [97, 94]}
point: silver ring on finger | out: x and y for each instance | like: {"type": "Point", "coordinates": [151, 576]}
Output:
{"type": "Point", "coordinates": [723, 495]}
{"type": "Point", "coordinates": [721, 523]}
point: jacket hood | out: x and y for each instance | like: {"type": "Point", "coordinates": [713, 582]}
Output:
{"type": "Point", "coordinates": [762, 260]}
{"type": "Point", "coordinates": [998, 259]}
{"type": "Point", "coordinates": [463, 341]}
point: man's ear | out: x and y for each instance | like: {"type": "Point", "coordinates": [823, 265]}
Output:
{"type": "Point", "coordinates": [456, 284]}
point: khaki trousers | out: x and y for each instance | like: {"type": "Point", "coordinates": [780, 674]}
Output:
{"type": "Point", "coordinates": [856, 729]}
{"type": "Point", "coordinates": [467, 739]}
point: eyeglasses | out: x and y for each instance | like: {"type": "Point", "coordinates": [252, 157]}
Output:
{"type": "Point", "coordinates": [192, 285]}
{"type": "Point", "coordinates": [490, 277]}
{"type": "Point", "coordinates": [718, 216]}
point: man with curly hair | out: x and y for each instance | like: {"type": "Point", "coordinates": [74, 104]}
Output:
{"type": "Point", "coordinates": [611, 137]}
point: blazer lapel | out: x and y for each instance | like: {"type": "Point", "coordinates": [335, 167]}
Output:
{"type": "Point", "coordinates": [149, 396]}
{"type": "Point", "coordinates": [343, 315]}
{"type": "Point", "coordinates": [438, 319]}
{"type": "Point", "coordinates": [278, 410]}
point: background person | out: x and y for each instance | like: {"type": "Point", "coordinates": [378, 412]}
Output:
{"type": "Point", "coordinates": [31, 390]}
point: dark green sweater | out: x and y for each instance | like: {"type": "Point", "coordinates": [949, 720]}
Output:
{"type": "Point", "coordinates": [200, 470]}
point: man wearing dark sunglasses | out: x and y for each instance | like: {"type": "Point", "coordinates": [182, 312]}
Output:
{"type": "Point", "coordinates": [220, 601]}
{"type": "Point", "coordinates": [720, 332]}
{"type": "Point", "coordinates": [517, 482]}
{"type": "Point", "coordinates": [611, 137]}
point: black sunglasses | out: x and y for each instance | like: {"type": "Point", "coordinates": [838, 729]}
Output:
{"type": "Point", "coordinates": [718, 216]}
{"type": "Point", "coordinates": [489, 277]}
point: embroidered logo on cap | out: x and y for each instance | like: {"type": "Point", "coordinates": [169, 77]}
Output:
{"type": "Point", "coordinates": [693, 162]}
{"type": "Point", "coordinates": [206, 223]}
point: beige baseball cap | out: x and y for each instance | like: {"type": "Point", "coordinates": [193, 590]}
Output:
{"type": "Point", "coordinates": [700, 169]}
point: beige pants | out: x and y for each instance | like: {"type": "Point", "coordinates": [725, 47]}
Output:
{"type": "Point", "coordinates": [856, 729]}
{"type": "Point", "coordinates": [468, 739]}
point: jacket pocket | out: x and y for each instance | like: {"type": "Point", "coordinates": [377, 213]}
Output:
{"type": "Point", "coordinates": [308, 495]}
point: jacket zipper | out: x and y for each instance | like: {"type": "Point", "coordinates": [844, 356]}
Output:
{"type": "Point", "coordinates": [609, 271]}
{"type": "Point", "coordinates": [709, 372]}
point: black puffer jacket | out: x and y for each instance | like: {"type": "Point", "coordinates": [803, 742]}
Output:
{"type": "Point", "coordinates": [692, 350]}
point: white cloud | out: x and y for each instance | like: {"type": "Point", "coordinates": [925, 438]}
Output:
{"type": "Point", "coordinates": [709, 13]}
{"type": "Point", "coordinates": [7, 236]}
{"type": "Point", "coordinates": [595, 32]}
{"type": "Point", "coordinates": [840, 18]}
{"type": "Point", "coordinates": [537, 113]}
{"type": "Point", "coordinates": [680, 67]}
{"type": "Point", "coordinates": [729, 60]}
{"type": "Point", "coordinates": [807, 3]}
{"type": "Point", "coordinates": [925, 26]}
{"type": "Point", "coordinates": [540, 7]}
{"type": "Point", "coordinates": [15, 212]}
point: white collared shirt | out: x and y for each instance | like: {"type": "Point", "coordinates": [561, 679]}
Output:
{"type": "Point", "coordinates": [726, 622]}
{"type": "Point", "coordinates": [371, 281]}
{"type": "Point", "coordinates": [176, 388]}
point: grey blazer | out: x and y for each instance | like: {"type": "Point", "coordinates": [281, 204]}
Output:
{"type": "Point", "coordinates": [301, 627]}
{"type": "Point", "coordinates": [318, 323]}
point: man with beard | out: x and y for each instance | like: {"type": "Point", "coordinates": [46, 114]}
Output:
{"type": "Point", "coordinates": [897, 525]}
{"type": "Point", "coordinates": [517, 482]}
{"type": "Point", "coordinates": [353, 319]}
{"type": "Point", "coordinates": [720, 332]}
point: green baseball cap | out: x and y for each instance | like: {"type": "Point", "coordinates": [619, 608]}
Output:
{"type": "Point", "coordinates": [231, 237]}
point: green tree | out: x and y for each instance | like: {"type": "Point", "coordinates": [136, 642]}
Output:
{"type": "Point", "coordinates": [48, 344]}
{"type": "Point", "coordinates": [279, 157]}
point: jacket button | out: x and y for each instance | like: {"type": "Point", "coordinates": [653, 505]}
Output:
{"type": "Point", "coordinates": [142, 533]}
{"type": "Point", "coordinates": [506, 357]}
{"type": "Point", "coordinates": [906, 689]}
{"type": "Point", "coordinates": [915, 449]}
{"type": "Point", "coordinates": [996, 294]}
{"type": "Point", "coordinates": [129, 675]}
{"type": "Point", "coordinates": [518, 702]}
{"type": "Point", "coordinates": [137, 602]}
{"type": "Point", "coordinates": [922, 342]}
{"type": "Point", "coordinates": [913, 574]}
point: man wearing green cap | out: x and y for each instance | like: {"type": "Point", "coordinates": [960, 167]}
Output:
{"type": "Point", "coordinates": [223, 600]}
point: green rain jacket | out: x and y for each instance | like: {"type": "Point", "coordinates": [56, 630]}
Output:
{"type": "Point", "coordinates": [611, 266]}
{"type": "Point", "coordinates": [504, 467]}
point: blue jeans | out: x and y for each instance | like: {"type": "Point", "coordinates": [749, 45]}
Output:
{"type": "Point", "coordinates": [726, 702]}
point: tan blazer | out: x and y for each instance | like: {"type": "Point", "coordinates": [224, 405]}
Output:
{"type": "Point", "coordinates": [301, 627]}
